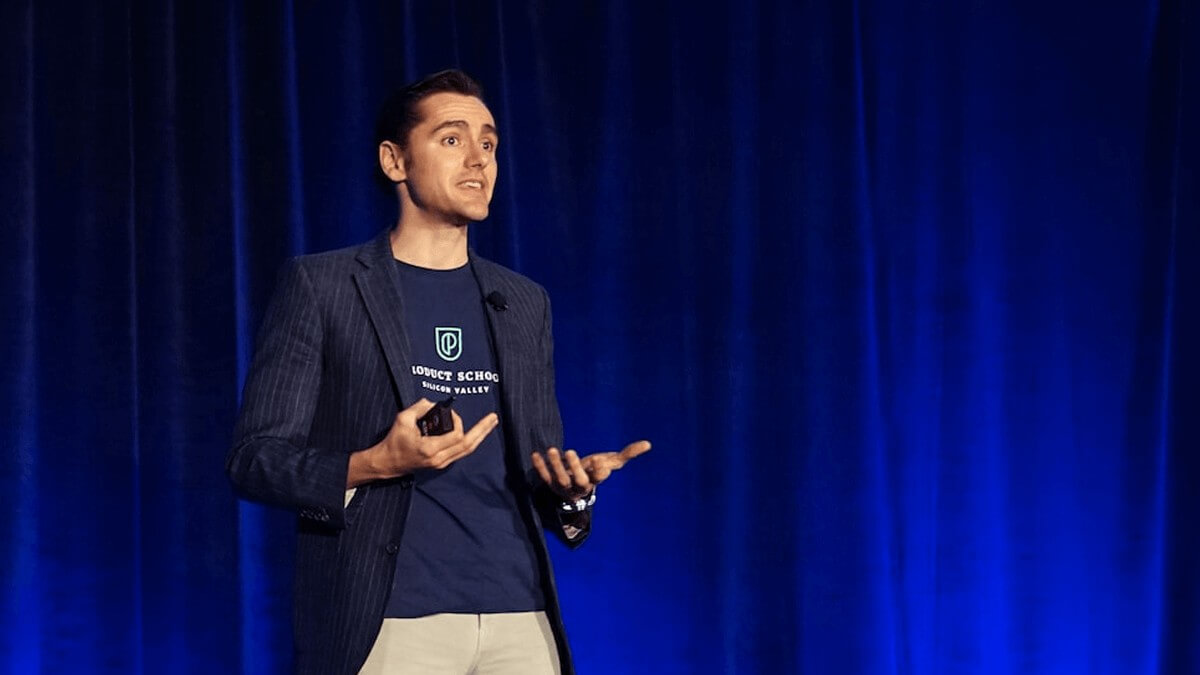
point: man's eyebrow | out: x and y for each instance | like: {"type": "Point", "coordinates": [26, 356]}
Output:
{"type": "Point", "coordinates": [448, 123]}
{"type": "Point", "coordinates": [462, 124]}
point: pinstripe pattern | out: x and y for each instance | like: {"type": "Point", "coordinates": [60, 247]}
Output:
{"type": "Point", "coordinates": [329, 373]}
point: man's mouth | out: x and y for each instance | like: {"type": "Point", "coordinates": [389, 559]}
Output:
{"type": "Point", "coordinates": [471, 184]}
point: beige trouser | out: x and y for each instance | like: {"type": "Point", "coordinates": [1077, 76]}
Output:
{"type": "Point", "coordinates": [512, 643]}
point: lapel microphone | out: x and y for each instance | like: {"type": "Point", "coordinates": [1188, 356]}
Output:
{"type": "Point", "coordinates": [497, 300]}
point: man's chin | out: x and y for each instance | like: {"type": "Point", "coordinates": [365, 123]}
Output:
{"type": "Point", "coordinates": [473, 216]}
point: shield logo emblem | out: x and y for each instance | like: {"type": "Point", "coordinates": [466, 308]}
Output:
{"type": "Point", "coordinates": [449, 342]}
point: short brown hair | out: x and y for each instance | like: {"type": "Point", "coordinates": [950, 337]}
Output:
{"type": "Point", "coordinates": [399, 114]}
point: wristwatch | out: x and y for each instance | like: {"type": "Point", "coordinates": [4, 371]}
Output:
{"type": "Point", "coordinates": [579, 505]}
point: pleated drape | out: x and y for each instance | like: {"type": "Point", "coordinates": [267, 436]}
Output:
{"type": "Point", "coordinates": [903, 292]}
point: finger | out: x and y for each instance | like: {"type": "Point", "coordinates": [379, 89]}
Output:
{"type": "Point", "coordinates": [467, 444]}
{"type": "Point", "coordinates": [433, 445]}
{"type": "Point", "coordinates": [412, 413]}
{"type": "Point", "coordinates": [600, 465]}
{"type": "Point", "coordinates": [477, 434]}
{"type": "Point", "coordinates": [582, 480]}
{"type": "Point", "coordinates": [539, 465]}
{"type": "Point", "coordinates": [471, 440]}
{"type": "Point", "coordinates": [481, 429]}
{"type": "Point", "coordinates": [596, 459]}
{"type": "Point", "coordinates": [561, 477]}
{"type": "Point", "coordinates": [634, 449]}
{"type": "Point", "coordinates": [599, 471]}
{"type": "Point", "coordinates": [451, 455]}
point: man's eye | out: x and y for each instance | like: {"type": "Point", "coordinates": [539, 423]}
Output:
{"type": "Point", "coordinates": [487, 145]}
{"type": "Point", "coordinates": [450, 140]}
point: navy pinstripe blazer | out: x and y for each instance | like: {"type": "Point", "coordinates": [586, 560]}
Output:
{"type": "Point", "coordinates": [331, 369]}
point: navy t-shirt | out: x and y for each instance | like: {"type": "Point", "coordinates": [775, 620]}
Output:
{"type": "Point", "coordinates": [466, 547]}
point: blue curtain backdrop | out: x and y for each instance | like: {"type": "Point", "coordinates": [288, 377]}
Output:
{"type": "Point", "coordinates": [905, 293]}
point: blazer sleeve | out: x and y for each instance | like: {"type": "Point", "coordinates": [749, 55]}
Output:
{"type": "Point", "coordinates": [270, 460]}
{"type": "Point", "coordinates": [571, 529]}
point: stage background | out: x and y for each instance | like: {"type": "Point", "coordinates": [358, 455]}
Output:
{"type": "Point", "coordinates": [905, 294]}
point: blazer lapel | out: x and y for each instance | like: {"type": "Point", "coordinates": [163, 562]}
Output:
{"type": "Point", "coordinates": [505, 345]}
{"type": "Point", "coordinates": [385, 306]}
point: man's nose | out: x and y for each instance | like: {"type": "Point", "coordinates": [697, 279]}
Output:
{"type": "Point", "coordinates": [477, 157]}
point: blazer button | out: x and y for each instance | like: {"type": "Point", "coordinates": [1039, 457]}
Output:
{"type": "Point", "coordinates": [392, 548]}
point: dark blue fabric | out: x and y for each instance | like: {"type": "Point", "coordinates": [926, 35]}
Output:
{"type": "Point", "coordinates": [466, 547]}
{"type": "Point", "coordinates": [905, 294]}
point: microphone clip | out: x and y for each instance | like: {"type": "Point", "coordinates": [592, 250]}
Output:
{"type": "Point", "coordinates": [497, 300]}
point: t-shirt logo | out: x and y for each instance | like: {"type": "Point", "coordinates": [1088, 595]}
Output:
{"type": "Point", "coordinates": [449, 342]}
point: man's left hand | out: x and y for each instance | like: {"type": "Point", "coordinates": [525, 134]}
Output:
{"type": "Point", "coordinates": [572, 477]}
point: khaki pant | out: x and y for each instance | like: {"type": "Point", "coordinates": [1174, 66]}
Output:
{"type": "Point", "coordinates": [513, 643]}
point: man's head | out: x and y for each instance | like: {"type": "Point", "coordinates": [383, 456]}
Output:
{"type": "Point", "coordinates": [399, 114]}
{"type": "Point", "coordinates": [437, 143]}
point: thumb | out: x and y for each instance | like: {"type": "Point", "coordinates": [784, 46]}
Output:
{"type": "Point", "coordinates": [634, 449]}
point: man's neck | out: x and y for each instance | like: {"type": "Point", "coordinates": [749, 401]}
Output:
{"type": "Point", "coordinates": [435, 246]}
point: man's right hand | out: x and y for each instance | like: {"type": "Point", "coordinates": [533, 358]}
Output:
{"type": "Point", "coordinates": [404, 450]}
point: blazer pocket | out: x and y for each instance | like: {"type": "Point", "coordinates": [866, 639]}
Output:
{"type": "Point", "coordinates": [353, 504]}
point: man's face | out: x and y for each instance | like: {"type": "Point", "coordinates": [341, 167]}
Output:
{"type": "Point", "coordinates": [449, 166]}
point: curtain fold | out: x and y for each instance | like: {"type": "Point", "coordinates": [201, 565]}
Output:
{"type": "Point", "coordinates": [903, 294]}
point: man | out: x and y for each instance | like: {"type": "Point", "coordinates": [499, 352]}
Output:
{"type": "Point", "coordinates": [418, 553]}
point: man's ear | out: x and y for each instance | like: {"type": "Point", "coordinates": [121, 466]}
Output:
{"type": "Point", "coordinates": [391, 161]}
